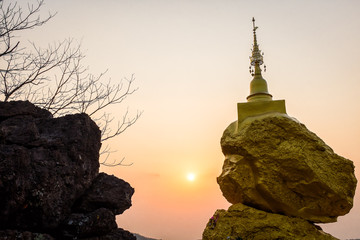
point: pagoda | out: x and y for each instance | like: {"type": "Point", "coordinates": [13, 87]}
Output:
{"type": "Point", "coordinates": [280, 177]}
{"type": "Point", "coordinates": [260, 100]}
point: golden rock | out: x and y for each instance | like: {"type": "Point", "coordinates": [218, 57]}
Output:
{"type": "Point", "coordinates": [241, 222]}
{"type": "Point", "coordinates": [274, 163]}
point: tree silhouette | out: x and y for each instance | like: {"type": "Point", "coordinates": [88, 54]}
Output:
{"type": "Point", "coordinates": [54, 78]}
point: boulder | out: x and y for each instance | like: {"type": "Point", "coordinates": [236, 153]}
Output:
{"type": "Point", "coordinates": [46, 164]}
{"type": "Point", "coordinates": [241, 222]}
{"type": "Point", "coordinates": [274, 163]}
{"type": "Point", "coordinates": [106, 191]}
{"type": "Point", "coordinates": [97, 223]}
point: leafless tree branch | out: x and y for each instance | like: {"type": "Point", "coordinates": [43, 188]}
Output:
{"type": "Point", "coordinates": [54, 78]}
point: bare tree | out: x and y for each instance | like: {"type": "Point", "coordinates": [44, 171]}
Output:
{"type": "Point", "coordinates": [54, 78]}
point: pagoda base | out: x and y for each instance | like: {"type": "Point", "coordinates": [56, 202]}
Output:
{"type": "Point", "coordinates": [250, 109]}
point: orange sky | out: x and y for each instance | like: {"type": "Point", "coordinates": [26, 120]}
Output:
{"type": "Point", "coordinates": [190, 59]}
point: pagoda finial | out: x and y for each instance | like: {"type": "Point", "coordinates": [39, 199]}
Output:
{"type": "Point", "coordinates": [258, 86]}
{"type": "Point", "coordinates": [256, 57]}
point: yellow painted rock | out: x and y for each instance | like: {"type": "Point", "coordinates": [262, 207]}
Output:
{"type": "Point", "coordinates": [274, 163]}
{"type": "Point", "coordinates": [241, 222]}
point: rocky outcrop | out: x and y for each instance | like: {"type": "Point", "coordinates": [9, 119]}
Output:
{"type": "Point", "coordinates": [106, 191]}
{"type": "Point", "coordinates": [273, 163]}
{"type": "Point", "coordinates": [49, 177]}
{"type": "Point", "coordinates": [243, 222]}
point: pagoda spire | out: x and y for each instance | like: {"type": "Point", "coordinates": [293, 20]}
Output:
{"type": "Point", "coordinates": [260, 100]}
{"type": "Point", "coordinates": [258, 85]}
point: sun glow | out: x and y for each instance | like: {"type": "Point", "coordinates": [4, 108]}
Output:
{"type": "Point", "coordinates": [190, 177]}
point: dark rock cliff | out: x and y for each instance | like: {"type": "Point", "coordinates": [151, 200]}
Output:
{"type": "Point", "coordinates": [49, 178]}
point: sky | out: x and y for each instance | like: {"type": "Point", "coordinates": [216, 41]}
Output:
{"type": "Point", "coordinates": [190, 59]}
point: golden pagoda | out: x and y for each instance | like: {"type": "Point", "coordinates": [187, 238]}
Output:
{"type": "Point", "coordinates": [260, 100]}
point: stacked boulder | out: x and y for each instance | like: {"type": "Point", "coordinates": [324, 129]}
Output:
{"type": "Point", "coordinates": [281, 179]}
{"type": "Point", "coordinates": [50, 185]}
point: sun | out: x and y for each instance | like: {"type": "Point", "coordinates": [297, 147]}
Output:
{"type": "Point", "coordinates": [190, 177]}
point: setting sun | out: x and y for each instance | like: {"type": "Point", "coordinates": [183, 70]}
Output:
{"type": "Point", "coordinates": [190, 177]}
